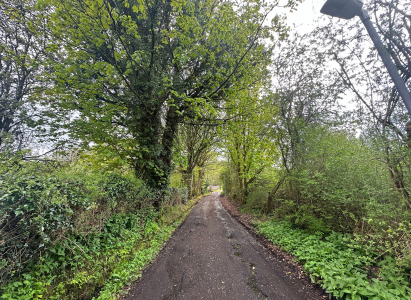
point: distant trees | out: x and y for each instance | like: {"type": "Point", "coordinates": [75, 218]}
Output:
{"type": "Point", "coordinates": [246, 139]}
{"type": "Point", "coordinates": [268, 124]}
{"type": "Point", "coordinates": [307, 94]}
{"type": "Point", "coordinates": [195, 147]}
{"type": "Point", "coordinates": [344, 170]}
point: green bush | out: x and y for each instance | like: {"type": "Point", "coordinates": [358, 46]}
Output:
{"type": "Point", "coordinates": [337, 183]}
{"type": "Point", "coordinates": [68, 231]}
{"type": "Point", "coordinates": [40, 210]}
{"type": "Point", "coordinates": [177, 196]}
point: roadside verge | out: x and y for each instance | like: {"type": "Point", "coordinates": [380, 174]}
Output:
{"type": "Point", "coordinates": [127, 273]}
{"type": "Point", "coordinates": [344, 267]}
{"type": "Point", "coordinates": [288, 261]}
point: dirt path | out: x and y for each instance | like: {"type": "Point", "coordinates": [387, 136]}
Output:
{"type": "Point", "coordinates": [212, 256]}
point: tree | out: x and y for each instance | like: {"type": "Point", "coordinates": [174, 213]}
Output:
{"type": "Point", "coordinates": [195, 143]}
{"type": "Point", "coordinates": [379, 107]}
{"type": "Point", "coordinates": [306, 94]}
{"type": "Point", "coordinates": [393, 20]}
{"type": "Point", "coordinates": [246, 138]}
{"type": "Point", "coordinates": [134, 70]}
{"type": "Point", "coordinates": [22, 52]}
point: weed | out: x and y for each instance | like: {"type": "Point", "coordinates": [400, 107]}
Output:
{"type": "Point", "coordinates": [339, 263]}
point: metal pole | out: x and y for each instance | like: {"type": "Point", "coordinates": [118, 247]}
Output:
{"type": "Point", "coordinates": [392, 69]}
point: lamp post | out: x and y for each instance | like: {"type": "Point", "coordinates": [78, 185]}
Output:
{"type": "Point", "coordinates": [347, 9]}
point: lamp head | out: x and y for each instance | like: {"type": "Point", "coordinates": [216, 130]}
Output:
{"type": "Point", "coordinates": [344, 9]}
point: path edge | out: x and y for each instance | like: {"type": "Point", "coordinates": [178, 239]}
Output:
{"type": "Point", "coordinates": [288, 259]}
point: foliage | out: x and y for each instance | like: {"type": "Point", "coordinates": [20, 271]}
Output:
{"type": "Point", "coordinates": [341, 265]}
{"type": "Point", "coordinates": [247, 140]}
{"type": "Point", "coordinates": [74, 232]}
{"type": "Point", "coordinates": [379, 110]}
{"type": "Point", "coordinates": [148, 86]}
{"type": "Point", "coordinates": [40, 208]}
{"type": "Point", "coordinates": [22, 53]}
{"type": "Point", "coordinates": [306, 93]}
{"type": "Point", "coordinates": [335, 185]}
{"type": "Point", "coordinates": [177, 196]}
{"type": "Point", "coordinates": [194, 149]}
{"type": "Point", "coordinates": [107, 262]}
{"type": "Point", "coordinates": [176, 180]}
{"type": "Point", "coordinates": [132, 71]}
{"type": "Point", "coordinates": [213, 172]}
{"type": "Point", "coordinates": [261, 188]}
{"type": "Point", "coordinates": [128, 272]}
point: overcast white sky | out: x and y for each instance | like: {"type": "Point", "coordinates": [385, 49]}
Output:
{"type": "Point", "coordinates": [303, 20]}
{"type": "Point", "coordinates": [305, 15]}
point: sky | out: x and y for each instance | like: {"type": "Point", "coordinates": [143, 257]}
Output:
{"type": "Point", "coordinates": [305, 15]}
{"type": "Point", "coordinates": [304, 19]}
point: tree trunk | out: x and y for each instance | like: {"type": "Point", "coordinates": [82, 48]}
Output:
{"type": "Point", "coordinates": [241, 186]}
{"type": "Point", "coordinates": [398, 182]}
{"type": "Point", "coordinates": [188, 175]}
{"type": "Point", "coordinates": [271, 194]}
{"type": "Point", "coordinates": [199, 182]}
{"type": "Point", "coordinates": [154, 166]}
{"type": "Point", "coordinates": [191, 185]}
{"type": "Point", "coordinates": [408, 130]}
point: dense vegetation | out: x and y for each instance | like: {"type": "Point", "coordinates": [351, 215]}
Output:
{"type": "Point", "coordinates": [338, 188]}
{"type": "Point", "coordinates": [115, 113]}
{"type": "Point", "coordinates": [69, 230]}
{"type": "Point", "coordinates": [102, 144]}
{"type": "Point", "coordinates": [343, 266]}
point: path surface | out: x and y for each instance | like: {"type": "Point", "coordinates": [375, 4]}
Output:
{"type": "Point", "coordinates": [212, 256]}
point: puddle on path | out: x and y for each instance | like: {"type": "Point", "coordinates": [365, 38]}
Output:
{"type": "Point", "coordinates": [219, 208]}
{"type": "Point", "coordinates": [237, 253]}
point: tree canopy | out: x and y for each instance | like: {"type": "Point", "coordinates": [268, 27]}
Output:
{"type": "Point", "coordinates": [132, 70]}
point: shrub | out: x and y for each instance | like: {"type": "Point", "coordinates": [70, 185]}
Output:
{"type": "Point", "coordinates": [40, 210]}
{"type": "Point", "coordinates": [342, 265]}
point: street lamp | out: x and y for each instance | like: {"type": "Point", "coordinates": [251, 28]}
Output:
{"type": "Point", "coordinates": [347, 9]}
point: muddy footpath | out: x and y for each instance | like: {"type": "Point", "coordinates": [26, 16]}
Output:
{"type": "Point", "coordinates": [212, 256]}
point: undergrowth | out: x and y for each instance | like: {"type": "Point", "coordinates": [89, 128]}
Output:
{"type": "Point", "coordinates": [71, 232]}
{"type": "Point", "coordinates": [344, 267]}
{"type": "Point", "coordinates": [101, 267]}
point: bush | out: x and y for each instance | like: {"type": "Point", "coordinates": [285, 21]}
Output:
{"type": "Point", "coordinates": [177, 196]}
{"type": "Point", "coordinates": [337, 183]}
{"type": "Point", "coordinates": [342, 265]}
{"type": "Point", "coordinates": [39, 210]}
{"type": "Point", "coordinates": [65, 231]}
